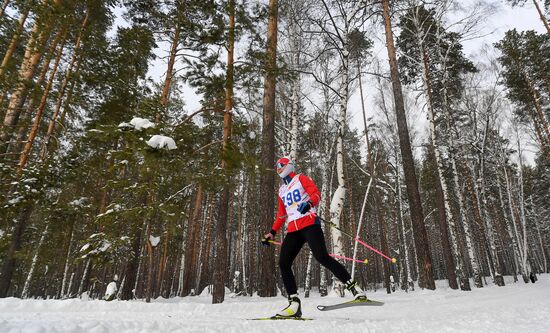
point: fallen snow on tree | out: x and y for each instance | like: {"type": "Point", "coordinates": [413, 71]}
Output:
{"type": "Point", "coordinates": [111, 290]}
{"type": "Point", "coordinates": [161, 141]}
{"type": "Point", "coordinates": [154, 240]}
{"type": "Point", "coordinates": [79, 202]}
{"type": "Point", "coordinates": [85, 247]}
{"type": "Point", "coordinates": [137, 123]}
{"type": "Point", "coordinates": [140, 123]}
{"type": "Point", "coordinates": [115, 209]}
{"type": "Point", "coordinates": [15, 200]}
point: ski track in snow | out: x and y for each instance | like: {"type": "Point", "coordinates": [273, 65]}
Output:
{"type": "Point", "coordinates": [517, 307]}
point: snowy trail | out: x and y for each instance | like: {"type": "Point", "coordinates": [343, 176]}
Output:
{"type": "Point", "coordinates": [514, 308]}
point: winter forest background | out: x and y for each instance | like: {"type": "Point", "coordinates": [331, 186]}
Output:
{"type": "Point", "coordinates": [108, 173]}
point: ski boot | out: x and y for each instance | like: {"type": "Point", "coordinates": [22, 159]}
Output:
{"type": "Point", "coordinates": [357, 292]}
{"type": "Point", "coordinates": [293, 310]}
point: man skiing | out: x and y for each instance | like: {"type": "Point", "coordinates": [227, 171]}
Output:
{"type": "Point", "coordinates": [298, 198]}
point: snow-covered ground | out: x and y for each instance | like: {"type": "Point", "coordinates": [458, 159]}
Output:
{"type": "Point", "coordinates": [514, 308]}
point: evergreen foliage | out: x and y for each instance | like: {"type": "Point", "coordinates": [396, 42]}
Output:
{"type": "Point", "coordinates": [97, 199]}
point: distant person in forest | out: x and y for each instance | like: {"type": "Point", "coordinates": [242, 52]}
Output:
{"type": "Point", "coordinates": [298, 198]}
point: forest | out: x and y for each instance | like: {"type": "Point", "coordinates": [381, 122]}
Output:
{"type": "Point", "coordinates": [139, 138]}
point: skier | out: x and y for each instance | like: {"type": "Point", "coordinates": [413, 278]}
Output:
{"type": "Point", "coordinates": [298, 198]}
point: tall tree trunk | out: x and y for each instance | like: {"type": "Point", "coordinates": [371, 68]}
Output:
{"type": "Point", "coordinates": [72, 63]}
{"type": "Point", "coordinates": [426, 279]}
{"type": "Point", "coordinates": [66, 291]}
{"type": "Point", "coordinates": [541, 117]}
{"type": "Point", "coordinates": [193, 243]}
{"type": "Point", "coordinates": [489, 223]}
{"type": "Point", "coordinates": [540, 238]}
{"type": "Point", "coordinates": [9, 262]}
{"type": "Point", "coordinates": [150, 256]}
{"type": "Point", "coordinates": [161, 278]}
{"type": "Point", "coordinates": [443, 206]}
{"type": "Point", "coordinates": [481, 235]}
{"type": "Point", "coordinates": [267, 181]}
{"type": "Point", "coordinates": [370, 165]}
{"type": "Point", "coordinates": [243, 235]}
{"type": "Point", "coordinates": [407, 278]}
{"type": "Point", "coordinates": [169, 73]}
{"type": "Point", "coordinates": [33, 53]}
{"type": "Point", "coordinates": [465, 223]}
{"type": "Point", "coordinates": [221, 263]}
{"type": "Point", "coordinates": [38, 117]}
{"type": "Point", "coordinates": [383, 240]}
{"type": "Point", "coordinates": [339, 196]}
{"type": "Point", "coordinates": [131, 270]}
{"type": "Point", "coordinates": [85, 277]}
{"type": "Point", "coordinates": [511, 225]}
{"type": "Point", "coordinates": [523, 218]}
{"type": "Point", "coordinates": [542, 17]}
{"type": "Point", "coordinates": [442, 192]}
{"type": "Point", "coordinates": [30, 274]}
{"type": "Point", "coordinates": [25, 120]}
{"type": "Point", "coordinates": [14, 42]}
{"type": "Point", "coordinates": [204, 269]}
{"type": "Point", "coordinates": [296, 91]}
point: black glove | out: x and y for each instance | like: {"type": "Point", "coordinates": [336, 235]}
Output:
{"type": "Point", "coordinates": [304, 207]}
{"type": "Point", "coordinates": [267, 237]}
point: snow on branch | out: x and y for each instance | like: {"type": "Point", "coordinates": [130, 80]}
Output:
{"type": "Point", "coordinates": [161, 141]}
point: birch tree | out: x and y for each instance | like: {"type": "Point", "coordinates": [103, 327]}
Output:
{"type": "Point", "coordinates": [417, 214]}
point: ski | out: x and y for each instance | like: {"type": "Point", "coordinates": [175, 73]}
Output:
{"type": "Point", "coordinates": [354, 302]}
{"type": "Point", "coordinates": [282, 318]}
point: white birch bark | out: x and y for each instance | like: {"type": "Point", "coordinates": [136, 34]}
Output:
{"type": "Point", "coordinates": [489, 223]}
{"type": "Point", "coordinates": [140, 262]}
{"type": "Point", "coordinates": [84, 275]}
{"type": "Point", "coordinates": [467, 233]}
{"type": "Point", "coordinates": [359, 224]}
{"type": "Point", "coordinates": [517, 235]}
{"type": "Point", "coordinates": [296, 91]}
{"type": "Point", "coordinates": [339, 196]}
{"type": "Point", "coordinates": [182, 268]}
{"type": "Point", "coordinates": [307, 287]}
{"type": "Point", "coordinates": [372, 169]}
{"type": "Point", "coordinates": [459, 263]}
{"type": "Point", "coordinates": [69, 287]}
{"type": "Point", "coordinates": [523, 218]}
{"type": "Point", "coordinates": [512, 245]}
{"type": "Point", "coordinates": [402, 219]}
{"type": "Point", "coordinates": [321, 209]}
{"type": "Point", "coordinates": [66, 267]}
{"type": "Point", "coordinates": [26, 286]}
{"type": "Point", "coordinates": [244, 238]}
{"type": "Point", "coordinates": [539, 236]}
{"type": "Point", "coordinates": [119, 292]}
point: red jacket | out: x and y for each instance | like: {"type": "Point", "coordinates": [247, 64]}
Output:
{"type": "Point", "coordinates": [309, 218]}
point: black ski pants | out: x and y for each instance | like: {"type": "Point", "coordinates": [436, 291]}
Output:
{"type": "Point", "coordinates": [292, 244]}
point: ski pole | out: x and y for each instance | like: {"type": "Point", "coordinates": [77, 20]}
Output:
{"type": "Point", "coordinates": [366, 261]}
{"type": "Point", "coordinates": [358, 240]}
